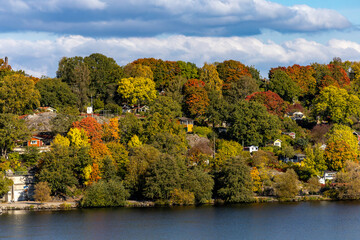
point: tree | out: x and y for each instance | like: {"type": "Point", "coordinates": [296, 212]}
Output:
{"type": "Point", "coordinates": [104, 72]}
{"type": "Point", "coordinates": [188, 70]}
{"type": "Point", "coordinates": [75, 72]}
{"type": "Point", "coordinates": [140, 159]}
{"type": "Point", "coordinates": [303, 76]}
{"type": "Point", "coordinates": [18, 94]}
{"type": "Point", "coordinates": [196, 97]}
{"type": "Point", "coordinates": [226, 150]}
{"type": "Point", "coordinates": [230, 71]}
{"type": "Point", "coordinates": [286, 185]}
{"type": "Point", "coordinates": [166, 106]}
{"type": "Point", "coordinates": [235, 183]}
{"type": "Point", "coordinates": [240, 89]}
{"type": "Point", "coordinates": [12, 129]}
{"type": "Point", "coordinates": [314, 161]}
{"type": "Point", "coordinates": [55, 93]}
{"type": "Point", "coordinates": [5, 184]}
{"type": "Point", "coordinates": [348, 186]}
{"type": "Point", "coordinates": [78, 138]}
{"type": "Point", "coordinates": [200, 183]}
{"type": "Point", "coordinates": [111, 130]}
{"type": "Point", "coordinates": [272, 101]}
{"type": "Point", "coordinates": [92, 128]}
{"type": "Point", "coordinates": [137, 90]}
{"type": "Point", "coordinates": [162, 177]}
{"type": "Point", "coordinates": [337, 153]}
{"type": "Point", "coordinates": [56, 168]}
{"type": "Point", "coordinates": [336, 105]}
{"type": "Point", "coordinates": [105, 194]}
{"type": "Point", "coordinates": [42, 192]}
{"type": "Point", "coordinates": [251, 123]}
{"type": "Point", "coordinates": [138, 70]}
{"type": "Point", "coordinates": [210, 76]}
{"type": "Point", "coordinates": [283, 85]}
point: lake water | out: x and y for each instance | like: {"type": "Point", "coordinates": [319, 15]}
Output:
{"type": "Point", "coordinates": [306, 220]}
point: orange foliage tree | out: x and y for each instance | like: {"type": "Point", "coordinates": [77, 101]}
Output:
{"type": "Point", "coordinates": [337, 153]}
{"type": "Point", "coordinates": [92, 128]}
{"type": "Point", "coordinates": [231, 71]}
{"type": "Point", "coordinates": [111, 130]}
{"type": "Point", "coordinates": [197, 99]}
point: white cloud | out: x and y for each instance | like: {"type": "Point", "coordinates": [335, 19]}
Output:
{"type": "Point", "coordinates": [41, 57]}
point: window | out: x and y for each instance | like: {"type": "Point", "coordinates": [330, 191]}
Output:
{"type": "Point", "coordinates": [33, 142]}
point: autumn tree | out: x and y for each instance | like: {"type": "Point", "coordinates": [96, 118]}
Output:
{"type": "Point", "coordinates": [342, 146]}
{"type": "Point", "coordinates": [78, 137]}
{"type": "Point", "coordinates": [138, 70]}
{"type": "Point", "coordinates": [287, 184]}
{"type": "Point", "coordinates": [111, 130]}
{"type": "Point", "coordinates": [272, 101]}
{"type": "Point", "coordinates": [138, 90]}
{"type": "Point", "coordinates": [303, 77]}
{"type": "Point", "coordinates": [336, 105]}
{"type": "Point", "coordinates": [196, 98]}
{"type": "Point", "coordinates": [230, 71]}
{"type": "Point", "coordinates": [93, 129]}
{"type": "Point", "coordinates": [210, 76]}
{"type": "Point", "coordinates": [240, 88]}
{"type": "Point", "coordinates": [314, 162]}
{"type": "Point", "coordinates": [42, 192]}
{"type": "Point", "coordinates": [18, 94]}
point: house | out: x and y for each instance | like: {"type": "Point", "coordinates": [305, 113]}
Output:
{"type": "Point", "coordinates": [277, 143]}
{"type": "Point", "coordinates": [299, 157]}
{"type": "Point", "coordinates": [22, 188]}
{"type": "Point", "coordinates": [141, 109]}
{"type": "Point", "coordinates": [35, 142]}
{"type": "Point", "coordinates": [328, 175]}
{"type": "Point", "coordinates": [251, 149]}
{"type": "Point", "coordinates": [297, 116]}
{"type": "Point", "coordinates": [357, 134]}
{"type": "Point", "coordinates": [188, 123]}
{"type": "Point", "coordinates": [126, 109]}
{"type": "Point", "coordinates": [45, 109]}
{"type": "Point", "coordinates": [323, 147]}
{"type": "Point", "coordinates": [291, 134]}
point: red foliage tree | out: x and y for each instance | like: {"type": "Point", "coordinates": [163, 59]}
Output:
{"type": "Point", "coordinates": [272, 101]}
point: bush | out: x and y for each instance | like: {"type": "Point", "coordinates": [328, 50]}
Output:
{"type": "Point", "coordinates": [105, 194]}
{"type": "Point", "coordinates": [202, 131]}
{"type": "Point", "coordinates": [42, 192]}
{"type": "Point", "coordinates": [286, 184]}
{"type": "Point", "coordinates": [182, 197]}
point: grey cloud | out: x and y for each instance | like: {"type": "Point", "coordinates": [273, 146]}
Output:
{"type": "Point", "coordinates": [99, 18]}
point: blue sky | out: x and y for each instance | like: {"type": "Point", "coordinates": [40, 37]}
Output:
{"type": "Point", "coordinates": [35, 34]}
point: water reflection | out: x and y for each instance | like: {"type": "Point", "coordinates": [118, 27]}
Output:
{"type": "Point", "coordinates": [307, 220]}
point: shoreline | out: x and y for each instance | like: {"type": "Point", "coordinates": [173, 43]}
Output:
{"type": "Point", "coordinates": [32, 205]}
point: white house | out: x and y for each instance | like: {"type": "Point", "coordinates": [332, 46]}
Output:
{"type": "Point", "coordinates": [277, 143]}
{"type": "Point", "coordinates": [328, 175]}
{"type": "Point", "coordinates": [251, 149]}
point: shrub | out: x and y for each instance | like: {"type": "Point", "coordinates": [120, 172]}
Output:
{"type": "Point", "coordinates": [105, 194]}
{"type": "Point", "coordinates": [182, 197]}
{"type": "Point", "coordinates": [202, 131]}
{"type": "Point", "coordinates": [42, 192]}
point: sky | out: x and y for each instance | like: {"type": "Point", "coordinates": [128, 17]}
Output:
{"type": "Point", "coordinates": [36, 34]}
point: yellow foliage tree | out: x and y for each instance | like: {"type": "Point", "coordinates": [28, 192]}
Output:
{"type": "Point", "coordinates": [137, 90]}
{"type": "Point", "coordinates": [134, 142]}
{"type": "Point", "coordinates": [61, 141]}
{"type": "Point", "coordinates": [78, 137]}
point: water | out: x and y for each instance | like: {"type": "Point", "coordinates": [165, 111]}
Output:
{"type": "Point", "coordinates": [308, 220]}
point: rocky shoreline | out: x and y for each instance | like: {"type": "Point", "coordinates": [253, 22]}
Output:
{"type": "Point", "coordinates": [31, 205]}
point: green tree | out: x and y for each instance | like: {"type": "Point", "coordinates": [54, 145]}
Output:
{"type": "Point", "coordinates": [55, 93]}
{"type": "Point", "coordinates": [250, 122]}
{"type": "Point", "coordinates": [336, 105]}
{"type": "Point", "coordinates": [282, 84]}
{"type": "Point", "coordinates": [166, 106]}
{"type": "Point", "coordinates": [287, 184]}
{"type": "Point", "coordinates": [314, 161]}
{"type": "Point", "coordinates": [240, 89]}
{"type": "Point", "coordinates": [104, 73]}
{"type": "Point", "coordinates": [235, 183]}
{"type": "Point", "coordinates": [12, 129]}
{"type": "Point", "coordinates": [188, 70]}
{"type": "Point", "coordinates": [5, 184]}
{"type": "Point", "coordinates": [137, 90]}
{"type": "Point", "coordinates": [18, 94]}
{"type": "Point", "coordinates": [200, 183]}
{"type": "Point", "coordinates": [162, 177]}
